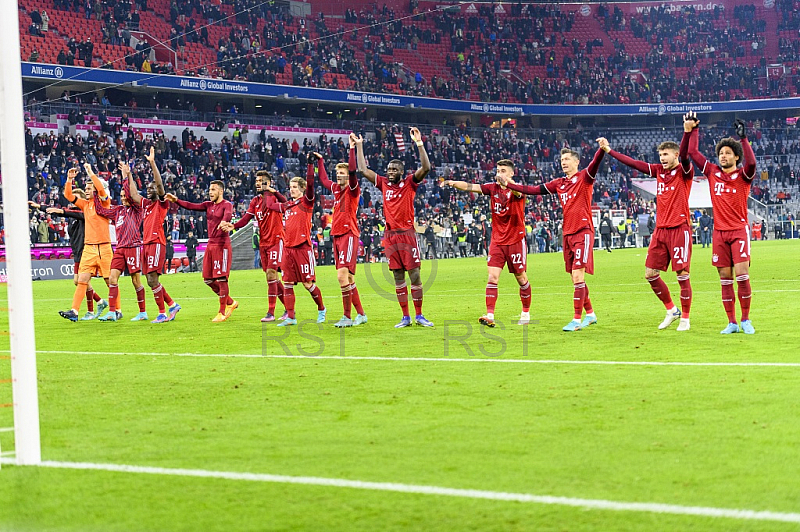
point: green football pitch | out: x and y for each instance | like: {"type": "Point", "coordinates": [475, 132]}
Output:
{"type": "Point", "coordinates": [193, 425]}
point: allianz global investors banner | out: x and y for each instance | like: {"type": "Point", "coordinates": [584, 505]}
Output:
{"type": "Point", "coordinates": [589, 9]}
{"type": "Point", "coordinates": [45, 270]}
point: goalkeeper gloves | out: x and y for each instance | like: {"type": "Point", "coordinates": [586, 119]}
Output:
{"type": "Point", "coordinates": [739, 127]}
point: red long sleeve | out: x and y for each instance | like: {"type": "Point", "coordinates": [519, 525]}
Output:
{"type": "Point", "coordinates": [310, 181]}
{"type": "Point", "coordinates": [243, 221]}
{"type": "Point", "coordinates": [109, 212]}
{"type": "Point", "coordinates": [683, 155]}
{"type": "Point", "coordinates": [353, 181]}
{"type": "Point", "coordinates": [282, 207]}
{"type": "Point", "coordinates": [323, 175]}
{"type": "Point", "coordinates": [749, 159]}
{"type": "Point", "coordinates": [188, 205]}
{"type": "Point", "coordinates": [535, 190]}
{"type": "Point", "coordinates": [694, 151]}
{"type": "Point", "coordinates": [629, 161]}
{"type": "Point", "coordinates": [594, 166]}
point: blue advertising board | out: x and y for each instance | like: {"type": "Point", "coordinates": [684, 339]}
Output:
{"type": "Point", "coordinates": [40, 71]}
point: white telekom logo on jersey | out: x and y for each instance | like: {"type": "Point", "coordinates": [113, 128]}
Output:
{"type": "Point", "coordinates": [393, 195]}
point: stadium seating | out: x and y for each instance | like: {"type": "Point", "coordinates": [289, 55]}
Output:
{"type": "Point", "coordinates": [593, 56]}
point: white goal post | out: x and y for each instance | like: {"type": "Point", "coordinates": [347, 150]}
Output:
{"type": "Point", "coordinates": [18, 252]}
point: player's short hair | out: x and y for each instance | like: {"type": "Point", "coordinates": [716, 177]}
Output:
{"type": "Point", "coordinates": [301, 183]}
{"type": "Point", "coordinates": [731, 143]}
{"type": "Point", "coordinates": [219, 183]}
{"type": "Point", "coordinates": [79, 192]}
{"type": "Point", "coordinates": [264, 174]}
{"type": "Point", "coordinates": [669, 145]}
{"type": "Point", "coordinates": [343, 165]}
{"type": "Point", "coordinates": [571, 152]}
{"type": "Point", "coordinates": [506, 162]}
{"type": "Point", "coordinates": [398, 161]}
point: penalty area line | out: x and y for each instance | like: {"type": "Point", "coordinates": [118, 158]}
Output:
{"type": "Point", "coordinates": [432, 359]}
{"type": "Point", "coordinates": [589, 504]}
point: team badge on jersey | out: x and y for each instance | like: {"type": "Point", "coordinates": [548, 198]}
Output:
{"type": "Point", "coordinates": [715, 258]}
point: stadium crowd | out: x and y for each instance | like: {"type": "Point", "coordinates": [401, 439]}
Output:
{"type": "Point", "coordinates": [691, 55]}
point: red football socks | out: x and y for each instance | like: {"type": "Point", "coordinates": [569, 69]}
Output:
{"type": "Point", "coordinates": [728, 299]}
{"type": "Point", "coordinates": [525, 296]}
{"type": "Point", "coordinates": [661, 291]}
{"type": "Point", "coordinates": [491, 297]}
{"type": "Point", "coordinates": [686, 295]}
{"type": "Point", "coordinates": [402, 297]}
{"type": "Point", "coordinates": [744, 295]}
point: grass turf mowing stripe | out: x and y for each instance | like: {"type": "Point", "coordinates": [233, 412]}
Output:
{"type": "Point", "coordinates": [592, 504]}
{"type": "Point", "coordinates": [431, 359]}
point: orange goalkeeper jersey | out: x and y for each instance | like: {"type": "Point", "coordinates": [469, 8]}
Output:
{"type": "Point", "coordinates": [96, 226]}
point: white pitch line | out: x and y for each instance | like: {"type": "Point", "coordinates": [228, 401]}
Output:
{"type": "Point", "coordinates": [592, 504]}
{"type": "Point", "coordinates": [431, 359]}
{"type": "Point", "coordinates": [7, 429]}
{"type": "Point", "coordinates": [453, 293]}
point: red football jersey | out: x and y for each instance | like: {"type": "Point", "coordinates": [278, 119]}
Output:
{"type": "Point", "coordinates": [575, 195]}
{"type": "Point", "coordinates": [345, 209]}
{"type": "Point", "coordinates": [127, 222]}
{"type": "Point", "coordinates": [297, 220]}
{"type": "Point", "coordinates": [672, 189]}
{"type": "Point", "coordinates": [153, 227]}
{"type": "Point", "coordinates": [672, 194]}
{"type": "Point", "coordinates": [729, 192]}
{"type": "Point", "coordinates": [345, 199]}
{"type": "Point", "coordinates": [398, 202]}
{"type": "Point", "coordinates": [215, 213]}
{"type": "Point", "coordinates": [508, 214]}
{"type": "Point", "coordinates": [270, 223]}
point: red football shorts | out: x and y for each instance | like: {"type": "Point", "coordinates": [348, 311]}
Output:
{"type": "Point", "coordinates": [154, 258]}
{"type": "Point", "coordinates": [730, 247]}
{"type": "Point", "coordinates": [345, 251]}
{"type": "Point", "coordinates": [578, 251]}
{"type": "Point", "coordinates": [513, 255]}
{"type": "Point", "coordinates": [271, 256]}
{"type": "Point", "coordinates": [670, 245]}
{"type": "Point", "coordinates": [298, 264]}
{"type": "Point", "coordinates": [402, 250]}
{"type": "Point", "coordinates": [127, 258]}
{"type": "Point", "coordinates": [217, 261]}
